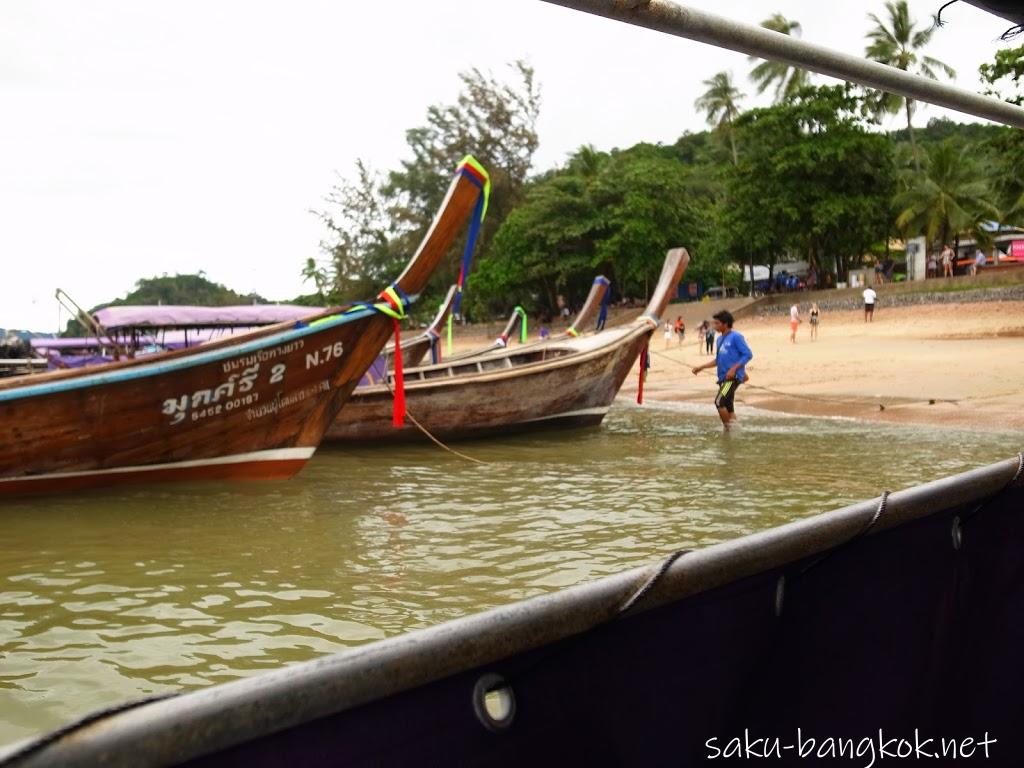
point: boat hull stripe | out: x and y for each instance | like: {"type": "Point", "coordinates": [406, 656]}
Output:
{"type": "Point", "coordinates": [275, 455]}
{"type": "Point", "coordinates": [571, 414]}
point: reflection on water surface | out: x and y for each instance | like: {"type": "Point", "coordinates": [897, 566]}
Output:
{"type": "Point", "coordinates": [113, 595]}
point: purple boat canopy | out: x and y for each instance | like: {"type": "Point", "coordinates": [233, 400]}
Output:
{"type": "Point", "coordinates": [244, 316]}
{"type": "Point", "coordinates": [68, 343]}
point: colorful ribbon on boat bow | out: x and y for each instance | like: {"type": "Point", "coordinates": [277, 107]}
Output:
{"type": "Point", "coordinates": [435, 346]}
{"type": "Point", "coordinates": [476, 173]}
{"type": "Point", "coordinates": [393, 304]}
{"type": "Point", "coordinates": [395, 309]}
{"type": "Point", "coordinates": [522, 323]}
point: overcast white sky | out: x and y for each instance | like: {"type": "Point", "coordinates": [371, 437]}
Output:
{"type": "Point", "coordinates": [142, 138]}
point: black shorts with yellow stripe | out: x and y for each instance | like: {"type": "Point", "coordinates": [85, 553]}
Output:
{"type": "Point", "coordinates": [726, 393]}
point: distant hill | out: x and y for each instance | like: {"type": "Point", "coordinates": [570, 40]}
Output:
{"type": "Point", "coordinates": [193, 290]}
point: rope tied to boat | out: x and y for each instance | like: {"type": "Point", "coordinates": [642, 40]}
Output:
{"type": "Point", "coordinates": [426, 432]}
{"type": "Point", "coordinates": [52, 737]}
{"type": "Point", "coordinates": [648, 585]}
{"type": "Point", "coordinates": [883, 503]}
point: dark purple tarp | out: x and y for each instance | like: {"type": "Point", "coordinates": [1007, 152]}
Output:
{"type": "Point", "coordinates": [60, 362]}
{"type": "Point", "coordinates": [182, 316]}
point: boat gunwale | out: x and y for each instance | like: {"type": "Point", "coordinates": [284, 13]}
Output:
{"type": "Point", "coordinates": [180, 359]}
{"type": "Point", "coordinates": [573, 357]}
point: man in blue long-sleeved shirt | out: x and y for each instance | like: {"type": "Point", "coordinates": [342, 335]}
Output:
{"type": "Point", "coordinates": [731, 360]}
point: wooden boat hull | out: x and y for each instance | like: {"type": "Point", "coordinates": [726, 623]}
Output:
{"type": "Point", "coordinates": [537, 386]}
{"type": "Point", "coordinates": [575, 391]}
{"type": "Point", "coordinates": [868, 623]}
{"type": "Point", "coordinates": [251, 410]}
{"type": "Point", "coordinates": [252, 406]}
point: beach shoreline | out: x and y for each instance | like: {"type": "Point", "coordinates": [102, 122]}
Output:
{"type": "Point", "coordinates": [958, 365]}
{"type": "Point", "coordinates": [953, 364]}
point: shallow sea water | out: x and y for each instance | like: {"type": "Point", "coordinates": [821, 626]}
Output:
{"type": "Point", "coordinates": [117, 594]}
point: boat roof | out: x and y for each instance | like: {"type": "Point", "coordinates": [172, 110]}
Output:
{"type": "Point", "coordinates": [178, 316]}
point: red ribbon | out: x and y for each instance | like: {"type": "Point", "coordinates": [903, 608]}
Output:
{"type": "Point", "coordinates": [398, 412]}
{"type": "Point", "coordinates": [643, 371]}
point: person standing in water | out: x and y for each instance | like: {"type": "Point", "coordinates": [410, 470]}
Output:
{"type": "Point", "coordinates": [731, 360]}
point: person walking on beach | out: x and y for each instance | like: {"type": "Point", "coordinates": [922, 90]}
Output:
{"type": "Point", "coordinates": [815, 312]}
{"type": "Point", "coordinates": [979, 261]}
{"type": "Point", "coordinates": [709, 337]}
{"type": "Point", "coordinates": [794, 322]}
{"type": "Point", "coordinates": [680, 329]}
{"type": "Point", "coordinates": [933, 266]}
{"type": "Point", "coordinates": [869, 304]}
{"type": "Point", "coordinates": [730, 362]}
{"type": "Point", "coordinates": [669, 333]}
{"type": "Point", "coordinates": [948, 257]}
{"type": "Point", "coordinates": [701, 330]}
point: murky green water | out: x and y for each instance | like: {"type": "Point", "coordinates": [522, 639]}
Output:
{"type": "Point", "coordinates": [114, 595]}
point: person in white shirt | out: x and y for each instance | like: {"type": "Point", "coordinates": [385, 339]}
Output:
{"type": "Point", "coordinates": [979, 261]}
{"type": "Point", "coordinates": [869, 304]}
{"type": "Point", "coordinates": [794, 321]}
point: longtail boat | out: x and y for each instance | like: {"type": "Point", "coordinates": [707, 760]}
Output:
{"type": "Point", "coordinates": [862, 629]}
{"type": "Point", "coordinates": [593, 304]}
{"type": "Point", "coordinates": [568, 382]}
{"type": "Point", "coordinates": [253, 406]}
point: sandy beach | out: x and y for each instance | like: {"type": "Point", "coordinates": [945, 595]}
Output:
{"type": "Point", "coordinates": [952, 364]}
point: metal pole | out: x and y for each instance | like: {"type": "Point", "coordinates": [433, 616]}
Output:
{"type": "Point", "coordinates": [672, 19]}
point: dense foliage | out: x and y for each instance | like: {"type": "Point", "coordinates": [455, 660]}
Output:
{"type": "Point", "coordinates": [809, 178]}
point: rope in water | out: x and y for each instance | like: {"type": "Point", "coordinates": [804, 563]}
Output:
{"type": "Point", "coordinates": [431, 437]}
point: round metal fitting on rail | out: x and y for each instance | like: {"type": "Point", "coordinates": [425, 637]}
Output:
{"type": "Point", "coordinates": [780, 595]}
{"type": "Point", "coordinates": [494, 702]}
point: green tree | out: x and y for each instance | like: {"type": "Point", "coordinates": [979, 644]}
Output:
{"type": "Point", "coordinates": [812, 180]}
{"type": "Point", "coordinates": [1007, 71]}
{"type": "Point", "coordinates": [721, 104]}
{"type": "Point", "coordinates": [612, 213]}
{"type": "Point", "coordinates": [898, 43]}
{"type": "Point", "coordinates": [948, 197]}
{"type": "Point", "coordinates": [788, 80]}
{"type": "Point", "coordinates": [1005, 79]}
{"type": "Point", "coordinates": [362, 242]}
{"type": "Point", "coordinates": [374, 223]}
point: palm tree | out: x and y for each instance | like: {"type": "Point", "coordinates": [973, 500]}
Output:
{"type": "Point", "coordinates": [719, 101]}
{"type": "Point", "coordinates": [898, 45]}
{"type": "Point", "coordinates": [788, 80]}
{"type": "Point", "coordinates": [951, 196]}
